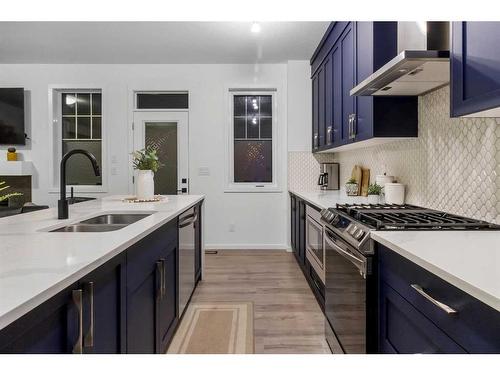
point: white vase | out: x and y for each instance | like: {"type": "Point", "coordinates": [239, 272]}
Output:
{"type": "Point", "coordinates": [145, 184]}
{"type": "Point", "coordinates": [373, 198]}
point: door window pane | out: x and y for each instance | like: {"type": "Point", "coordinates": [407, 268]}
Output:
{"type": "Point", "coordinates": [253, 161]}
{"type": "Point", "coordinates": [163, 137]}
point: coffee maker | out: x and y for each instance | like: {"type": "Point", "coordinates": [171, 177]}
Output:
{"type": "Point", "coordinates": [329, 176]}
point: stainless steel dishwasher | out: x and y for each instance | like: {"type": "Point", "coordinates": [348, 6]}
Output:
{"type": "Point", "coordinates": [186, 256]}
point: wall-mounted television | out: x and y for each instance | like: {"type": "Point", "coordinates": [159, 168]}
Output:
{"type": "Point", "coordinates": [12, 116]}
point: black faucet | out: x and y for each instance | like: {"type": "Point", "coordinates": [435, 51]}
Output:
{"type": "Point", "coordinates": [62, 204]}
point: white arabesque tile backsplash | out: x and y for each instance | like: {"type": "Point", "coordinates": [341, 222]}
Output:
{"type": "Point", "coordinates": [454, 164]}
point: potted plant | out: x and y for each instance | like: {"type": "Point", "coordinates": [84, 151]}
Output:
{"type": "Point", "coordinates": [374, 191]}
{"type": "Point", "coordinates": [351, 187]}
{"type": "Point", "coordinates": [147, 163]}
{"type": "Point", "coordinates": [8, 195]}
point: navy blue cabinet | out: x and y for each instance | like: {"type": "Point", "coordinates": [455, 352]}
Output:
{"type": "Point", "coordinates": [348, 53]}
{"type": "Point", "coordinates": [51, 328]}
{"type": "Point", "coordinates": [475, 67]}
{"type": "Point", "coordinates": [407, 310]}
{"type": "Point", "coordinates": [103, 307]}
{"type": "Point", "coordinates": [152, 291]}
{"type": "Point", "coordinates": [127, 305]}
{"type": "Point", "coordinates": [298, 228]}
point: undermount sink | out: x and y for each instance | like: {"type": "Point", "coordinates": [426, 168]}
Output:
{"type": "Point", "coordinates": [123, 219]}
{"type": "Point", "coordinates": [103, 223]}
{"type": "Point", "coordinates": [89, 228]}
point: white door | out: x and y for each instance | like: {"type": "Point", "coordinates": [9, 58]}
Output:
{"type": "Point", "coordinates": [168, 133]}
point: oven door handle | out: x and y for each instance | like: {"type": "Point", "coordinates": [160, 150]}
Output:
{"type": "Point", "coordinates": [359, 263]}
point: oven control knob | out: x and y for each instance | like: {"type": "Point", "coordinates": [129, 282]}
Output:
{"type": "Point", "coordinates": [353, 230]}
{"type": "Point", "coordinates": [358, 234]}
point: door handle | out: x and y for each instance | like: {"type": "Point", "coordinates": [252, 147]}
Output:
{"type": "Point", "coordinates": [89, 336]}
{"type": "Point", "coordinates": [354, 130]}
{"type": "Point", "coordinates": [434, 301]}
{"type": "Point", "coordinates": [159, 278]}
{"type": "Point", "coordinates": [163, 278]}
{"type": "Point", "coordinates": [77, 300]}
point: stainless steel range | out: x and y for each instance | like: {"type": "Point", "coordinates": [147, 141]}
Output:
{"type": "Point", "coordinates": [350, 283]}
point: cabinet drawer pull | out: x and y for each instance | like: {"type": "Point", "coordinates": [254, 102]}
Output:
{"type": "Point", "coordinates": [441, 305]}
{"type": "Point", "coordinates": [159, 275]}
{"type": "Point", "coordinates": [163, 278]}
{"type": "Point", "coordinates": [77, 300]}
{"type": "Point", "coordinates": [88, 341]}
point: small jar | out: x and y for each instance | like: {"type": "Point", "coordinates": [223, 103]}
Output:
{"type": "Point", "coordinates": [11, 154]}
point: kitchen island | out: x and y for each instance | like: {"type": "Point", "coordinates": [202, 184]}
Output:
{"type": "Point", "coordinates": [38, 266]}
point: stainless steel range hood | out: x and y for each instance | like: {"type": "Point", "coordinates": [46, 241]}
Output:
{"type": "Point", "coordinates": [422, 65]}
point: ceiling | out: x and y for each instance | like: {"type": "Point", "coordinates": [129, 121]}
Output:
{"type": "Point", "coordinates": [157, 42]}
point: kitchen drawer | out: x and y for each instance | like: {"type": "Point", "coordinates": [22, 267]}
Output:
{"type": "Point", "coordinates": [405, 330]}
{"type": "Point", "coordinates": [475, 326]}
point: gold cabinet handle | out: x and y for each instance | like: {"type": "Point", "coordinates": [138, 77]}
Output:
{"type": "Point", "coordinates": [88, 341]}
{"type": "Point", "coordinates": [77, 300]}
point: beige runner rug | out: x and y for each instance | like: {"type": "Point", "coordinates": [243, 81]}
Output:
{"type": "Point", "coordinates": [215, 328]}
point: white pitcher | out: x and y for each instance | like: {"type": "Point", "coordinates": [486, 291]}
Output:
{"type": "Point", "coordinates": [145, 184]}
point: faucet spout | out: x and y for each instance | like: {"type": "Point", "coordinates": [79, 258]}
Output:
{"type": "Point", "coordinates": [62, 204]}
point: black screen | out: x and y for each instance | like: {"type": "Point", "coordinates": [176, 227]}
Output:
{"type": "Point", "coordinates": [12, 116]}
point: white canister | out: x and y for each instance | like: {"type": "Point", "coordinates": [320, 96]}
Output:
{"type": "Point", "coordinates": [145, 184]}
{"type": "Point", "coordinates": [382, 179]}
{"type": "Point", "coordinates": [394, 193]}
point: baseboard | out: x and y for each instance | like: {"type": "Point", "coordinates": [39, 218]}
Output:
{"type": "Point", "coordinates": [245, 247]}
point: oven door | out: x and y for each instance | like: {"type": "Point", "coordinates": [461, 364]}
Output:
{"type": "Point", "coordinates": [314, 246]}
{"type": "Point", "coordinates": [345, 296]}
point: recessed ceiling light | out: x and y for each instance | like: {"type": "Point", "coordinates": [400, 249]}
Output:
{"type": "Point", "coordinates": [255, 28]}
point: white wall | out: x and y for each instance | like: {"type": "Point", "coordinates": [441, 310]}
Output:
{"type": "Point", "coordinates": [259, 219]}
{"type": "Point", "coordinates": [299, 105]}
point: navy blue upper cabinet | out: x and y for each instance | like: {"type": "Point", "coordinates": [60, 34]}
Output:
{"type": "Point", "coordinates": [475, 68]}
{"type": "Point", "coordinates": [348, 53]}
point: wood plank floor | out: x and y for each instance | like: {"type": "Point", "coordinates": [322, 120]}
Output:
{"type": "Point", "coordinates": [287, 317]}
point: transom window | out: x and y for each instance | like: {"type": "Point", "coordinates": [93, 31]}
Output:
{"type": "Point", "coordinates": [81, 122]}
{"type": "Point", "coordinates": [252, 150]}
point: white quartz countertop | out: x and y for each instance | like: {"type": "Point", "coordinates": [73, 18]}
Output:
{"type": "Point", "coordinates": [36, 264]}
{"type": "Point", "coordinates": [470, 260]}
{"type": "Point", "coordinates": [328, 198]}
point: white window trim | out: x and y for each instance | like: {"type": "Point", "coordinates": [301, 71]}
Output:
{"type": "Point", "coordinates": [55, 141]}
{"type": "Point", "coordinates": [251, 187]}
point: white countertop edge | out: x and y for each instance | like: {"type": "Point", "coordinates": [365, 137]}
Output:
{"type": "Point", "coordinates": [478, 293]}
{"type": "Point", "coordinates": [25, 307]}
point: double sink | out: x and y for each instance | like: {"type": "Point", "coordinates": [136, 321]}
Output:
{"type": "Point", "coordinates": [103, 223]}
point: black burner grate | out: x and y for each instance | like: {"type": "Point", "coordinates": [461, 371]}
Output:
{"type": "Point", "coordinates": [407, 217]}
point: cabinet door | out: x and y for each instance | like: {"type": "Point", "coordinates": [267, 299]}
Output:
{"type": "Point", "coordinates": [403, 329]}
{"type": "Point", "coordinates": [302, 233]}
{"type": "Point", "coordinates": [51, 328]}
{"type": "Point", "coordinates": [321, 106]}
{"type": "Point", "coordinates": [293, 210]}
{"type": "Point", "coordinates": [328, 82]}
{"type": "Point", "coordinates": [475, 67]}
{"type": "Point", "coordinates": [168, 302]}
{"type": "Point", "coordinates": [339, 134]}
{"type": "Point", "coordinates": [315, 112]}
{"type": "Point", "coordinates": [348, 81]}
{"type": "Point", "coordinates": [146, 262]}
{"type": "Point", "coordinates": [104, 308]}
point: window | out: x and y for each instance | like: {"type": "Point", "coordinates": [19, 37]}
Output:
{"type": "Point", "coordinates": [161, 100]}
{"type": "Point", "coordinates": [252, 131]}
{"type": "Point", "coordinates": [81, 128]}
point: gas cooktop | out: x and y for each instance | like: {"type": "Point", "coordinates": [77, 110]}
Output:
{"type": "Point", "coordinates": [409, 217]}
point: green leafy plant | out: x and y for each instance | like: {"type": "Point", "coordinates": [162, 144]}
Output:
{"type": "Point", "coordinates": [8, 195]}
{"type": "Point", "coordinates": [351, 181]}
{"type": "Point", "coordinates": [374, 189]}
{"type": "Point", "coordinates": [146, 159]}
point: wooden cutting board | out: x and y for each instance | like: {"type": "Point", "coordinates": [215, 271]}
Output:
{"type": "Point", "coordinates": [365, 181]}
{"type": "Point", "coordinates": [357, 174]}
